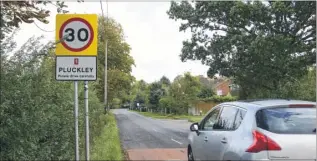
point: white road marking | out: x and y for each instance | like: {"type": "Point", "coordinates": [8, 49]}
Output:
{"type": "Point", "coordinates": [177, 141]}
{"type": "Point", "coordinates": [154, 130]}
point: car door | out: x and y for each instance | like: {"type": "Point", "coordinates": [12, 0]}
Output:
{"type": "Point", "coordinates": [218, 137]}
{"type": "Point", "coordinates": [205, 126]}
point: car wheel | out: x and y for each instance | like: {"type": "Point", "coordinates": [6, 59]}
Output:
{"type": "Point", "coordinates": [190, 154]}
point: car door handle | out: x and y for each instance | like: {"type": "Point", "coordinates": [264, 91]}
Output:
{"type": "Point", "coordinates": [206, 139]}
{"type": "Point", "coordinates": [224, 140]}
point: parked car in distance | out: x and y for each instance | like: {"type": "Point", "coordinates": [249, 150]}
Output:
{"type": "Point", "coordinates": [266, 130]}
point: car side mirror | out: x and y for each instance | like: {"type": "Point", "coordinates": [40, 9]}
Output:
{"type": "Point", "coordinates": [194, 127]}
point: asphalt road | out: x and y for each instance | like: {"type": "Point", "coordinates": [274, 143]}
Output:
{"type": "Point", "coordinates": [140, 132]}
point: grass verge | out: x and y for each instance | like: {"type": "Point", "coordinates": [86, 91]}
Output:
{"type": "Point", "coordinates": [170, 116]}
{"type": "Point", "coordinates": [107, 146]}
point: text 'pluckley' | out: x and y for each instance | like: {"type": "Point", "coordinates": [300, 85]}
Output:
{"type": "Point", "coordinates": [76, 70]}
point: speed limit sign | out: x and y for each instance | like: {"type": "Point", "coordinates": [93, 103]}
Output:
{"type": "Point", "coordinates": [76, 34]}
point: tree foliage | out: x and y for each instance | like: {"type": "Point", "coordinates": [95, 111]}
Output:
{"type": "Point", "coordinates": [139, 93]}
{"type": "Point", "coordinates": [303, 88]}
{"type": "Point", "coordinates": [156, 92]}
{"type": "Point", "coordinates": [259, 44]}
{"type": "Point", "coordinates": [165, 81]}
{"type": "Point", "coordinates": [184, 91]}
{"type": "Point", "coordinates": [177, 97]}
{"type": "Point", "coordinates": [168, 102]}
{"type": "Point", "coordinates": [13, 13]}
{"type": "Point", "coordinates": [206, 93]}
{"type": "Point", "coordinates": [36, 110]}
{"type": "Point", "coordinates": [119, 61]}
{"type": "Point", "coordinates": [306, 87]}
{"type": "Point", "coordinates": [206, 82]}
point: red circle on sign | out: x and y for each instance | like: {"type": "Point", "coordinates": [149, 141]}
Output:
{"type": "Point", "coordinates": [90, 30]}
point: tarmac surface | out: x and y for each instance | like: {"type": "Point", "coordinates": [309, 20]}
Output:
{"type": "Point", "coordinates": [145, 138]}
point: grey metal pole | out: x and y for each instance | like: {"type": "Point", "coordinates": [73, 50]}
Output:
{"type": "Point", "coordinates": [106, 76]}
{"type": "Point", "coordinates": [76, 120]}
{"type": "Point", "coordinates": [106, 64]}
{"type": "Point", "coordinates": [106, 54]}
{"type": "Point", "coordinates": [86, 118]}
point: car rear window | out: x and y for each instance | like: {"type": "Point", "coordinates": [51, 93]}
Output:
{"type": "Point", "coordinates": [287, 120]}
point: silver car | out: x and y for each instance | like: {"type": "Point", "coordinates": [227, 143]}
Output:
{"type": "Point", "coordinates": [266, 130]}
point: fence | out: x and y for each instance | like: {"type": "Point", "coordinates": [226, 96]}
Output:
{"type": "Point", "coordinates": [201, 106]}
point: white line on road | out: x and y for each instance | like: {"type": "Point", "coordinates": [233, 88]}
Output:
{"type": "Point", "coordinates": [177, 141]}
{"type": "Point", "coordinates": [154, 130]}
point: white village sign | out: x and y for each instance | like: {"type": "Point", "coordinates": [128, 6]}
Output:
{"type": "Point", "coordinates": [76, 68]}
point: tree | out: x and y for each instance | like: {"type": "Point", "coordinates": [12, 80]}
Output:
{"type": "Point", "coordinates": [207, 86]}
{"type": "Point", "coordinates": [13, 13]}
{"type": "Point", "coordinates": [119, 61]}
{"type": "Point", "coordinates": [140, 98]}
{"type": "Point", "coordinates": [142, 85]}
{"type": "Point", "coordinates": [260, 44]}
{"type": "Point", "coordinates": [165, 81]}
{"type": "Point", "coordinates": [306, 89]}
{"type": "Point", "coordinates": [190, 85]}
{"type": "Point", "coordinates": [177, 78]}
{"type": "Point", "coordinates": [168, 103]}
{"type": "Point", "coordinates": [139, 93]}
{"type": "Point", "coordinates": [184, 91]}
{"type": "Point", "coordinates": [156, 93]}
{"type": "Point", "coordinates": [205, 93]}
{"type": "Point", "coordinates": [206, 82]}
{"type": "Point", "coordinates": [303, 89]}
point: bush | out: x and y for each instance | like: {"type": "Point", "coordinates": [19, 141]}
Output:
{"type": "Point", "coordinates": [37, 120]}
{"type": "Point", "coordinates": [116, 103]}
{"type": "Point", "coordinates": [219, 99]}
{"type": "Point", "coordinates": [173, 106]}
{"type": "Point", "coordinates": [167, 102]}
{"type": "Point", "coordinates": [206, 92]}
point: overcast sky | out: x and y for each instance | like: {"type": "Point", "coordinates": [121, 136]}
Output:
{"type": "Point", "coordinates": [154, 38]}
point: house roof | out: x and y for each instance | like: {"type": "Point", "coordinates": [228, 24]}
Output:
{"type": "Point", "coordinates": [222, 82]}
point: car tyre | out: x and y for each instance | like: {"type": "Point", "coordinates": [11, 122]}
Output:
{"type": "Point", "coordinates": [190, 155]}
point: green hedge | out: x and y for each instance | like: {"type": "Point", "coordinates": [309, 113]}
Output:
{"type": "Point", "coordinates": [36, 111]}
{"type": "Point", "coordinates": [219, 99]}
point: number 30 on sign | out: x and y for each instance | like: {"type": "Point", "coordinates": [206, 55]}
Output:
{"type": "Point", "coordinates": [77, 34]}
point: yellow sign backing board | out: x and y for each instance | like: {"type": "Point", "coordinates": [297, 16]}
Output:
{"type": "Point", "coordinates": [76, 34]}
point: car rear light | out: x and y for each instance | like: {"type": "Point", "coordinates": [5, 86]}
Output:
{"type": "Point", "coordinates": [261, 143]}
{"type": "Point", "coordinates": [301, 105]}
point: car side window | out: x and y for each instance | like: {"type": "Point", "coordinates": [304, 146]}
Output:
{"type": "Point", "coordinates": [227, 118]}
{"type": "Point", "coordinates": [211, 119]}
{"type": "Point", "coordinates": [240, 116]}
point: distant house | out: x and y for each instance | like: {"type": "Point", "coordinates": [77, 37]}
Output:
{"type": "Point", "coordinates": [223, 87]}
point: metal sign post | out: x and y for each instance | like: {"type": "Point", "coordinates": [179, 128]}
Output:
{"type": "Point", "coordinates": [76, 60]}
{"type": "Point", "coordinates": [86, 119]}
{"type": "Point", "coordinates": [76, 120]}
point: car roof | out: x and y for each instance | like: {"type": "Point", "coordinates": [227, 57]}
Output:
{"type": "Point", "coordinates": [265, 103]}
